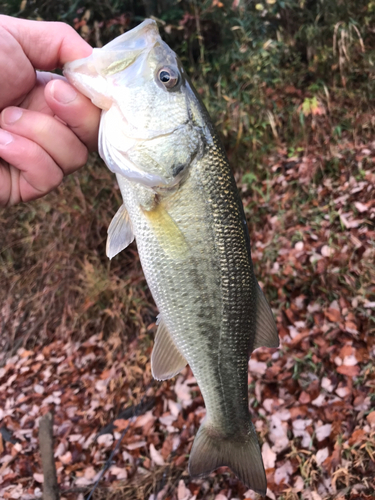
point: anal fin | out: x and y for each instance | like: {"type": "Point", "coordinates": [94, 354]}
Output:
{"type": "Point", "coordinates": [166, 359]}
{"type": "Point", "coordinates": [120, 232]}
{"type": "Point", "coordinates": [266, 331]}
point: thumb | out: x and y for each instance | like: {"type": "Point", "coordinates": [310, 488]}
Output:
{"type": "Point", "coordinates": [76, 110]}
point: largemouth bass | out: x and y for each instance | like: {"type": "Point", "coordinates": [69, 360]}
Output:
{"type": "Point", "coordinates": [182, 206]}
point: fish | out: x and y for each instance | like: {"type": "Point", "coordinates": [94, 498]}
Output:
{"type": "Point", "coordinates": [182, 206]}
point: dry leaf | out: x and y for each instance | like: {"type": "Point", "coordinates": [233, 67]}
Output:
{"type": "Point", "coordinates": [257, 367]}
{"type": "Point", "coordinates": [269, 456]}
{"type": "Point", "coordinates": [321, 455]}
{"type": "Point", "coordinates": [156, 456]}
{"type": "Point", "coordinates": [121, 424]}
{"type": "Point", "coordinates": [135, 445]}
{"type": "Point", "coordinates": [371, 418]}
{"type": "Point", "coordinates": [323, 432]}
{"type": "Point", "coordinates": [39, 478]}
{"type": "Point", "coordinates": [349, 371]}
{"type": "Point", "coordinates": [283, 473]}
{"type": "Point", "coordinates": [183, 493]}
{"type": "Point", "coordinates": [106, 440]}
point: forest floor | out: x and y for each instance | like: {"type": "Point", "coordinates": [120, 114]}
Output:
{"type": "Point", "coordinates": [77, 334]}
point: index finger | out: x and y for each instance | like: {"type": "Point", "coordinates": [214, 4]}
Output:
{"type": "Point", "coordinates": [47, 45]}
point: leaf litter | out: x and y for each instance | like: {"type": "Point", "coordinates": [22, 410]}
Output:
{"type": "Point", "coordinates": [78, 338]}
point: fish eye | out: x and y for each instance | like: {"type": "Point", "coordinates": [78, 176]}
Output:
{"type": "Point", "coordinates": [169, 77]}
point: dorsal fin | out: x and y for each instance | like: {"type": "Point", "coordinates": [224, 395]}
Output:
{"type": "Point", "coordinates": [120, 232]}
{"type": "Point", "coordinates": [166, 359]}
{"type": "Point", "coordinates": [266, 331]}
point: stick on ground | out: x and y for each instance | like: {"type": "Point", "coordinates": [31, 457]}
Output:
{"type": "Point", "coordinates": [50, 486]}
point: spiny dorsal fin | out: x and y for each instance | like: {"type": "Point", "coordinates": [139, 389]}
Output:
{"type": "Point", "coordinates": [120, 232]}
{"type": "Point", "coordinates": [266, 331]}
{"type": "Point", "coordinates": [166, 359]}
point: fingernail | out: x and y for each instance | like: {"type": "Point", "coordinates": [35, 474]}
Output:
{"type": "Point", "coordinates": [11, 115]}
{"type": "Point", "coordinates": [5, 138]}
{"type": "Point", "coordinates": [63, 93]}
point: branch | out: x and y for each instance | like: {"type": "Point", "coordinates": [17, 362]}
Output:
{"type": "Point", "coordinates": [50, 486]}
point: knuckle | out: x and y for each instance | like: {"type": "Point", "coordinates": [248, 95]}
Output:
{"type": "Point", "coordinates": [81, 157]}
{"type": "Point", "coordinates": [76, 159]}
{"type": "Point", "coordinates": [56, 179]}
{"type": "Point", "coordinates": [64, 28]}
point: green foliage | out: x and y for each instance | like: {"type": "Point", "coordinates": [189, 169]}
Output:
{"type": "Point", "coordinates": [268, 71]}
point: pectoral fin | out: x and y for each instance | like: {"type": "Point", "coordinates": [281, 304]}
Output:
{"type": "Point", "coordinates": [120, 232]}
{"type": "Point", "coordinates": [266, 331]}
{"type": "Point", "coordinates": [168, 233]}
{"type": "Point", "coordinates": [166, 359]}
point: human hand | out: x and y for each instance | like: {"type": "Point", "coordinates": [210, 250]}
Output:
{"type": "Point", "coordinates": [46, 126]}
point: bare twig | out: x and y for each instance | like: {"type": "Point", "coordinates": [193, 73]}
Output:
{"type": "Point", "coordinates": [199, 32]}
{"type": "Point", "coordinates": [50, 486]}
{"type": "Point", "coordinates": [145, 405]}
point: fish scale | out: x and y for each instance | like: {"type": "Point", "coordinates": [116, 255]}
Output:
{"type": "Point", "coordinates": [182, 206]}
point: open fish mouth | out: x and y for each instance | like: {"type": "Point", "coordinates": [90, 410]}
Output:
{"type": "Point", "coordinates": [89, 75]}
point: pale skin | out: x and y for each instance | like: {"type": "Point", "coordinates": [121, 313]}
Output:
{"type": "Point", "coordinates": [47, 128]}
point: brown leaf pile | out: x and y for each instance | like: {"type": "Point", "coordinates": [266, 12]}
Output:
{"type": "Point", "coordinates": [87, 357]}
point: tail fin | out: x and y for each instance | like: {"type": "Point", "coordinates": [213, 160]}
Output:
{"type": "Point", "coordinates": [242, 455]}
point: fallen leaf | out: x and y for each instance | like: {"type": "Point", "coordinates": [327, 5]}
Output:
{"type": "Point", "coordinates": [360, 206]}
{"type": "Point", "coordinates": [269, 456]}
{"type": "Point", "coordinates": [66, 458]}
{"type": "Point", "coordinates": [121, 424]}
{"type": "Point", "coordinates": [321, 455]}
{"type": "Point", "coordinates": [327, 251]}
{"type": "Point", "coordinates": [327, 384]}
{"type": "Point", "coordinates": [119, 472]}
{"type": "Point", "coordinates": [135, 445]}
{"type": "Point", "coordinates": [282, 473]}
{"type": "Point", "coordinates": [299, 430]}
{"type": "Point", "coordinates": [183, 493]}
{"type": "Point", "coordinates": [106, 440]}
{"type": "Point", "coordinates": [357, 436]}
{"type": "Point", "coordinates": [257, 367]}
{"type": "Point", "coordinates": [350, 360]}
{"type": "Point", "coordinates": [349, 371]}
{"type": "Point", "coordinates": [319, 401]}
{"type": "Point", "coordinates": [343, 392]}
{"type": "Point", "coordinates": [156, 456]}
{"type": "Point", "coordinates": [299, 485]}
{"type": "Point", "coordinates": [323, 432]}
{"type": "Point", "coordinates": [371, 418]}
{"type": "Point", "coordinates": [333, 315]}
{"type": "Point", "coordinates": [304, 398]}
{"type": "Point", "coordinates": [278, 434]}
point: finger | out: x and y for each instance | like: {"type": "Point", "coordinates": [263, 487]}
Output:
{"type": "Point", "coordinates": [51, 135]}
{"type": "Point", "coordinates": [17, 73]}
{"type": "Point", "coordinates": [47, 45]}
{"type": "Point", "coordinates": [25, 45]}
{"type": "Point", "coordinates": [32, 172]}
{"type": "Point", "coordinates": [5, 181]}
{"type": "Point", "coordinates": [76, 110]}
{"type": "Point", "coordinates": [35, 100]}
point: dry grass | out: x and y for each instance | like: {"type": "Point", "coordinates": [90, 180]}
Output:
{"type": "Point", "coordinates": [56, 281]}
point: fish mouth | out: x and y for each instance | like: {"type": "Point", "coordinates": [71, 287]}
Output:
{"type": "Point", "coordinates": [89, 75]}
{"type": "Point", "coordinates": [141, 37]}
